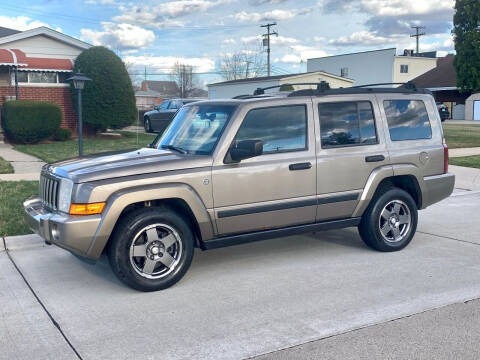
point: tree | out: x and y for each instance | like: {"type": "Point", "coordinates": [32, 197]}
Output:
{"type": "Point", "coordinates": [108, 100]}
{"type": "Point", "coordinates": [242, 64]}
{"type": "Point", "coordinates": [183, 75]}
{"type": "Point", "coordinates": [467, 44]}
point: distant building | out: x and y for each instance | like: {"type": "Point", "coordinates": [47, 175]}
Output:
{"type": "Point", "coordinates": [153, 92]}
{"type": "Point", "coordinates": [43, 60]}
{"type": "Point", "coordinates": [377, 66]}
{"type": "Point", "coordinates": [232, 88]}
{"type": "Point", "coordinates": [442, 82]}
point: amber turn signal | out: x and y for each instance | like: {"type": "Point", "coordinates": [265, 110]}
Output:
{"type": "Point", "coordinates": [87, 209]}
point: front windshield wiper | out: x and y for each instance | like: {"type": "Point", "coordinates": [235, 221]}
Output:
{"type": "Point", "coordinates": [174, 148]}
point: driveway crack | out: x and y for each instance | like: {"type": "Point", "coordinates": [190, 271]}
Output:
{"type": "Point", "coordinates": [448, 238]}
{"type": "Point", "coordinates": [55, 323]}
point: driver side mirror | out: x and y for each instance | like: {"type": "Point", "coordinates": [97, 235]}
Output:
{"type": "Point", "coordinates": [245, 149]}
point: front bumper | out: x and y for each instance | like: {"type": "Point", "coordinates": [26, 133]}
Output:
{"type": "Point", "coordinates": [437, 188]}
{"type": "Point", "coordinates": [74, 234]}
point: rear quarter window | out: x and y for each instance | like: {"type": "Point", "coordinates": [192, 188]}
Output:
{"type": "Point", "coordinates": [407, 120]}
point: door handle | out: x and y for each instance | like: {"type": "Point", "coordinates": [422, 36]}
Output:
{"type": "Point", "coordinates": [300, 166]}
{"type": "Point", "coordinates": [374, 158]}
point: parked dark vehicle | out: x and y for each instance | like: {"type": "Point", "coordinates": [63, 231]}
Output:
{"type": "Point", "coordinates": [443, 111]}
{"type": "Point", "coordinates": [160, 117]}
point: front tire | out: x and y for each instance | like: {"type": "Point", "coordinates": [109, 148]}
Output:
{"type": "Point", "coordinates": [151, 249]}
{"type": "Point", "coordinates": [390, 221]}
{"type": "Point", "coordinates": [147, 126]}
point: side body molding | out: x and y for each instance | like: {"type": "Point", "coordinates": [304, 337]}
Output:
{"type": "Point", "coordinates": [119, 200]}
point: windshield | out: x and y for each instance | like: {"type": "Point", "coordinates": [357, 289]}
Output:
{"type": "Point", "coordinates": [196, 129]}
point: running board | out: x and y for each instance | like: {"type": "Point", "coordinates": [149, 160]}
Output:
{"type": "Point", "coordinates": [238, 239]}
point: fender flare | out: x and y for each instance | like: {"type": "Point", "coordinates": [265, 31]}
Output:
{"type": "Point", "coordinates": [119, 200]}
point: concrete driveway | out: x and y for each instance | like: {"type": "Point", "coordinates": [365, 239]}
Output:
{"type": "Point", "coordinates": [238, 302]}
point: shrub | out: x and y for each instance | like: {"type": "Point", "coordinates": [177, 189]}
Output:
{"type": "Point", "coordinates": [108, 100]}
{"type": "Point", "coordinates": [286, 87]}
{"type": "Point", "coordinates": [29, 122]}
{"type": "Point", "coordinates": [62, 134]}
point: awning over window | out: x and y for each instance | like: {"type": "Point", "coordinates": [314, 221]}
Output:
{"type": "Point", "coordinates": [15, 57]}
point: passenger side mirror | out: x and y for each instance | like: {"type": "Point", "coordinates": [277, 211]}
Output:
{"type": "Point", "coordinates": [246, 149]}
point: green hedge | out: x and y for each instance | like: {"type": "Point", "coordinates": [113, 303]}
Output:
{"type": "Point", "coordinates": [28, 122]}
{"type": "Point", "coordinates": [62, 134]}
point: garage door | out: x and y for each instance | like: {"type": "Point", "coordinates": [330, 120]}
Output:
{"type": "Point", "coordinates": [476, 110]}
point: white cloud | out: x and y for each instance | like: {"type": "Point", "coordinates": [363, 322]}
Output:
{"type": "Point", "coordinates": [363, 38]}
{"type": "Point", "coordinates": [407, 7]}
{"type": "Point", "coordinates": [274, 40]}
{"type": "Point", "coordinates": [163, 64]}
{"type": "Point", "coordinates": [229, 41]}
{"type": "Point", "coordinates": [101, 2]}
{"type": "Point", "coordinates": [300, 53]}
{"type": "Point", "coordinates": [165, 14]}
{"type": "Point", "coordinates": [23, 23]}
{"type": "Point", "coordinates": [119, 36]}
{"type": "Point", "coordinates": [275, 15]}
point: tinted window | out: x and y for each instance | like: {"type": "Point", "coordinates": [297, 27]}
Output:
{"type": "Point", "coordinates": [173, 104]}
{"type": "Point", "coordinates": [164, 105]}
{"type": "Point", "coordinates": [282, 128]}
{"type": "Point", "coordinates": [407, 120]}
{"type": "Point", "coordinates": [347, 123]}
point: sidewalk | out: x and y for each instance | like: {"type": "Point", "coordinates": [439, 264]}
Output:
{"type": "Point", "coordinates": [26, 167]}
{"type": "Point", "coordinates": [464, 152]}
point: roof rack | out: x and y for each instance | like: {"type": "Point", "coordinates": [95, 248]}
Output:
{"type": "Point", "coordinates": [322, 85]}
{"type": "Point", "coordinates": [407, 88]}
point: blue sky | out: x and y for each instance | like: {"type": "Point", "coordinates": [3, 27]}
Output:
{"type": "Point", "coordinates": [156, 34]}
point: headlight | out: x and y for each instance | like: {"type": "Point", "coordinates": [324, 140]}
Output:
{"type": "Point", "coordinates": [65, 195]}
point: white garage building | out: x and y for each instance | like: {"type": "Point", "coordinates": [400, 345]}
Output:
{"type": "Point", "coordinates": [232, 88]}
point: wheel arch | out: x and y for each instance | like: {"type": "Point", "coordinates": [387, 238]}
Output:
{"type": "Point", "coordinates": [179, 197]}
{"type": "Point", "coordinates": [403, 177]}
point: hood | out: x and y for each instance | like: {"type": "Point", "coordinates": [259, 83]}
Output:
{"type": "Point", "coordinates": [118, 164]}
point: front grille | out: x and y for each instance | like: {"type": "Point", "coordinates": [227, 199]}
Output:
{"type": "Point", "coordinates": [48, 190]}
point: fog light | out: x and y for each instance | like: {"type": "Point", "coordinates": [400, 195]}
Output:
{"type": "Point", "coordinates": [87, 209]}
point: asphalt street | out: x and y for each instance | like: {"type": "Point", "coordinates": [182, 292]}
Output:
{"type": "Point", "coordinates": [319, 295]}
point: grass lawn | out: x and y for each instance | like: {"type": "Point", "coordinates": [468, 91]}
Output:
{"type": "Point", "coordinates": [12, 195]}
{"type": "Point", "coordinates": [59, 150]}
{"type": "Point", "coordinates": [468, 161]}
{"type": "Point", "coordinates": [461, 136]}
{"type": "Point", "coordinates": [5, 167]}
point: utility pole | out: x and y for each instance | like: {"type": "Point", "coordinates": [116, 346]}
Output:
{"type": "Point", "coordinates": [266, 42]}
{"type": "Point", "coordinates": [417, 35]}
{"type": "Point", "coordinates": [248, 68]}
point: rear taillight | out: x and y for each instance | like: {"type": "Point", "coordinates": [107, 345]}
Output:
{"type": "Point", "coordinates": [445, 157]}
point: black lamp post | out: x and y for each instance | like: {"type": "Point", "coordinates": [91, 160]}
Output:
{"type": "Point", "coordinates": [79, 83]}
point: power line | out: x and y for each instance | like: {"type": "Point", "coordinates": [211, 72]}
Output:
{"type": "Point", "coordinates": [57, 16]}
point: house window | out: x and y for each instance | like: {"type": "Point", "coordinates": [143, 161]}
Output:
{"type": "Point", "coordinates": [404, 69]}
{"type": "Point", "coordinates": [344, 72]}
{"type": "Point", "coordinates": [40, 77]}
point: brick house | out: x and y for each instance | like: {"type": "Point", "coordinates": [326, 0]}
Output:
{"type": "Point", "coordinates": [42, 59]}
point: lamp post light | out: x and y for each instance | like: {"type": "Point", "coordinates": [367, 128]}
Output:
{"type": "Point", "coordinates": [78, 81]}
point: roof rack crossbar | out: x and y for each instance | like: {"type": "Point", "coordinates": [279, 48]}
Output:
{"type": "Point", "coordinates": [322, 85]}
{"type": "Point", "coordinates": [408, 85]}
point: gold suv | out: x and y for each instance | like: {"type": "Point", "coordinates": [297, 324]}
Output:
{"type": "Point", "coordinates": [232, 171]}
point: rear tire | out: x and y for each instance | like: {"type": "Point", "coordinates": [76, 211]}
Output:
{"type": "Point", "coordinates": [390, 221]}
{"type": "Point", "coordinates": [151, 248]}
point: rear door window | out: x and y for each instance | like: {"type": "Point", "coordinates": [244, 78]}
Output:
{"type": "Point", "coordinates": [347, 124]}
{"type": "Point", "coordinates": [407, 120]}
{"type": "Point", "coordinates": [281, 128]}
